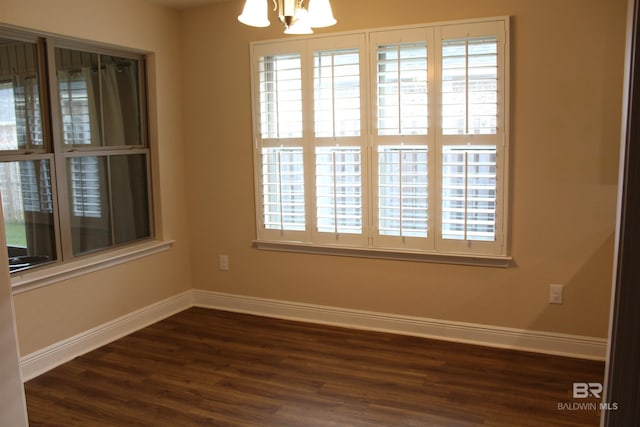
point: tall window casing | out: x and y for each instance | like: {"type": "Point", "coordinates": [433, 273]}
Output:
{"type": "Point", "coordinates": [79, 182]}
{"type": "Point", "coordinates": [389, 140]}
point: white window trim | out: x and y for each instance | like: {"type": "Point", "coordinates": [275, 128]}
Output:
{"type": "Point", "coordinates": [386, 253]}
{"type": "Point", "coordinates": [38, 277]}
{"type": "Point", "coordinates": [303, 242]}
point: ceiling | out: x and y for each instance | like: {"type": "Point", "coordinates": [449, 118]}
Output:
{"type": "Point", "coordinates": [185, 4]}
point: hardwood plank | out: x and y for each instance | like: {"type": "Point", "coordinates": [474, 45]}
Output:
{"type": "Point", "coordinates": [208, 367]}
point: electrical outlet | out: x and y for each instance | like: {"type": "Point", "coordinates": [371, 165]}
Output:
{"type": "Point", "coordinates": [555, 294]}
{"type": "Point", "coordinates": [224, 262]}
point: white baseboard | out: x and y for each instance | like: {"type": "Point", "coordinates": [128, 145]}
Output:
{"type": "Point", "coordinates": [56, 354]}
{"type": "Point", "coordinates": [493, 336]}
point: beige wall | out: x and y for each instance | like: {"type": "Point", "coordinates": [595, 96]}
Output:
{"type": "Point", "coordinates": [48, 315]}
{"type": "Point", "coordinates": [566, 86]}
{"type": "Point", "coordinates": [567, 63]}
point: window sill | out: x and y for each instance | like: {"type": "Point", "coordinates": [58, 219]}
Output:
{"type": "Point", "coordinates": [29, 280]}
{"type": "Point", "coordinates": [393, 254]}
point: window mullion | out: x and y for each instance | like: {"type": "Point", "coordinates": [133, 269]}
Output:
{"type": "Point", "coordinates": [47, 110]}
{"type": "Point", "coordinates": [276, 92]}
{"type": "Point", "coordinates": [63, 217]}
{"type": "Point", "coordinates": [280, 190]}
{"type": "Point", "coordinates": [333, 95]}
{"type": "Point", "coordinates": [401, 211]}
{"type": "Point", "coordinates": [112, 224]}
{"type": "Point", "coordinates": [103, 140]}
{"type": "Point", "coordinates": [466, 87]}
{"type": "Point", "coordinates": [335, 194]}
{"type": "Point", "coordinates": [466, 192]}
{"type": "Point", "coordinates": [399, 50]}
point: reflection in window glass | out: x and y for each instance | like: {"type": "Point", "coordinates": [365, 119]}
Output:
{"type": "Point", "coordinates": [88, 198]}
{"type": "Point", "coordinates": [85, 173]}
{"type": "Point", "coordinates": [74, 103]}
{"type": "Point", "coordinates": [109, 201]}
{"type": "Point", "coordinates": [27, 205]}
{"type": "Point", "coordinates": [8, 136]}
{"type": "Point", "coordinates": [130, 197]}
{"type": "Point", "coordinates": [98, 108]}
{"type": "Point", "coordinates": [20, 116]}
{"type": "Point", "coordinates": [120, 101]}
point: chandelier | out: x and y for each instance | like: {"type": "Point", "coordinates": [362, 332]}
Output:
{"type": "Point", "coordinates": [292, 13]}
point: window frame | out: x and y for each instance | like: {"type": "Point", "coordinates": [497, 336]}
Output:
{"type": "Point", "coordinates": [371, 243]}
{"type": "Point", "coordinates": [67, 264]}
{"type": "Point", "coordinates": [63, 152]}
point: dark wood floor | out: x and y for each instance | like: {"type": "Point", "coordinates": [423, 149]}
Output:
{"type": "Point", "coordinates": [206, 367]}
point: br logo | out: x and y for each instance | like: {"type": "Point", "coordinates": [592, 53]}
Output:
{"type": "Point", "coordinates": [586, 390]}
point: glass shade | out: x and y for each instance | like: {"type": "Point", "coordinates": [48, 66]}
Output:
{"type": "Point", "coordinates": [320, 14]}
{"type": "Point", "coordinates": [255, 13]}
{"type": "Point", "coordinates": [300, 24]}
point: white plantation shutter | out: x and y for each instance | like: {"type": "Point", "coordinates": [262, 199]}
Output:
{"type": "Point", "coordinates": [470, 86]}
{"type": "Point", "coordinates": [337, 93]}
{"type": "Point", "coordinates": [281, 96]}
{"type": "Point", "coordinates": [469, 193]}
{"type": "Point", "coordinates": [402, 191]}
{"type": "Point", "coordinates": [283, 188]}
{"type": "Point", "coordinates": [282, 195]}
{"type": "Point", "coordinates": [339, 190]}
{"type": "Point", "coordinates": [339, 162]}
{"type": "Point", "coordinates": [471, 138]}
{"type": "Point", "coordinates": [402, 89]}
{"type": "Point", "coordinates": [402, 144]}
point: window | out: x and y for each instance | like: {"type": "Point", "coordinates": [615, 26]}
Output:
{"type": "Point", "coordinates": [390, 140]}
{"type": "Point", "coordinates": [79, 182]}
